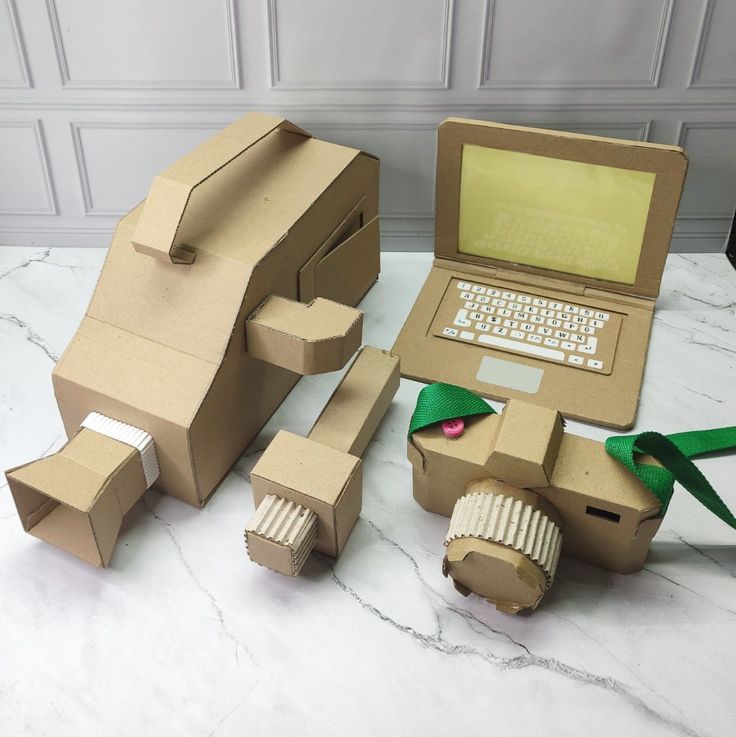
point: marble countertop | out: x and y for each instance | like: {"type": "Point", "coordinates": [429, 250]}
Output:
{"type": "Point", "coordinates": [182, 635]}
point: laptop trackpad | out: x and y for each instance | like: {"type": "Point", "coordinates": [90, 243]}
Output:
{"type": "Point", "coordinates": [510, 375]}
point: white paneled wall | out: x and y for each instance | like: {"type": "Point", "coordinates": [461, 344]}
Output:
{"type": "Point", "coordinates": [98, 95]}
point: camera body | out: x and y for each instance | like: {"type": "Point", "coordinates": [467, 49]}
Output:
{"type": "Point", "coordinates": [516, 486]}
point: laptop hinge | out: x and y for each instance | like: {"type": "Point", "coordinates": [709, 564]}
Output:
{"type": "Point", "coordinates": [631, 300]}
{"type": "Point", "coordinates": [519, 277]}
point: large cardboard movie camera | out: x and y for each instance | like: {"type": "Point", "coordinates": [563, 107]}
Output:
{"type": "Point", "coordinates": [514, 486]}
{"type": "Point", "coordinates": [238, 274]}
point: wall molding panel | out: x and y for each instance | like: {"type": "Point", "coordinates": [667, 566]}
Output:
{"type": "Point", "coordinates": [39, 157]}
{"type": "Point", "coordinates": [440, 83]}
{"type": "Point", "coordinates": [232, 81]}
{"type": "Point", "coordinates": [650, 80]}
{"type": "Point", "coordinates": [96, 97]}
{"type": "Point", "coordinates": [23, 80]}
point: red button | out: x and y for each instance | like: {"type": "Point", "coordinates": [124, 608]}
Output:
{"type": "Point", "coordinates": [453, 428]}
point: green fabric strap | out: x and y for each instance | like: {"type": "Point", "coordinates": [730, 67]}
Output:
{"type": "Point", "coordinates": [674, 452]}
{"type": "Point", "coordinates": [439, 402]}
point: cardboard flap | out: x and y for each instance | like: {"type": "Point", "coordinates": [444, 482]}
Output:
{"type": "Point", "coordinates": [171, 190]}
{"type": "Point", "coordinates": [305, 338]}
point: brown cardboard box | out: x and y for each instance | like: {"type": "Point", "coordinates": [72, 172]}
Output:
{"type": "Point", "coordinates": [605, 514]}
{"type": "Point", "coordinates": [591, 268]}
{"type": "Point", "coordinates": [261, 215]}
{"type": "Point", "coordinates": [308, 492]}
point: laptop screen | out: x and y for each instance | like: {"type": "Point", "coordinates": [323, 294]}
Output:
{"type": "Point", "coordinates": [566, 216]}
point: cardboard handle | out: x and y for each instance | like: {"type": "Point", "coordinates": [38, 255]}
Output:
{"type": "Point", "coordinates": [155, 234]}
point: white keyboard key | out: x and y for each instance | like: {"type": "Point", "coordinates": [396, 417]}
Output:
{"type": "Point", "coordinates": [470, 306]}
{"type": "Point", "coordinates": [487, 309]}
{"type": "Point", "coordinates": [554, 323]}
{"type": "Point", "coordinates": [564, 315]}
{"type": "Point", "coordinates": [587, 330]}
{"type": "Point", "coordinates": [478, 289]}
{"type": "Point", "coordinates": [562, 334]}
{"type": "Point", "coordinates": [532, 350]}
{"type": "Point", "coordinates": [520, 316]}
{"type": "Point", "coordinates": [525, 299]}
{"type": "Point", "coordinates": [601, 316]}
{"type": "Point", "coordinates": [577, 360]}
{"type": "Point", "coordinates": [492, 292]}
{"type": "Point", "coordinates": [481, 300]}
{"type": "Point", "coordinates": [484, 327]}
{"type": "Point", "coordinates": [518, 334]}
{"type": "Point", "coordinates": [571, 309]}
{"type": "Point", "coordinates": [568, 346]}
{"type": "Point", "coordinates": [586, 349]}
{"type": "Point", "coordinates": [577, 338]}
{"type": "Point", "coordinates": [537, 319]}
{"type": "Point", "coordinates": [570, 326]}
{"type": "Point", "coordinates": [514, 306]}
{"type": "Point", "coordinates": [593, 343]}
{"type": "Point", "coordinates": [451, 332]}
{"type": "Point", "coordinates": [466, 335]}
{"type": "Point", "coordinates": [580, 320]}
{"type": "Point", "coordinates": [504, 313]}
{"type": "Point", "coordinates": [584, 312]}
{"type": "Point", "coordinates": [544, 331]}
{"type": "Point", "coordinates": [464, 285]}
{"type": "Point", "coordinates": [498, 303]}
{"type": "Point", "coordinates": [534, 338]}
{"type": "Point", "coordinates": [528, 327]}
{"type": "Point", "coordinates": [510, 324]}
{"type": "Point", "coordinates": [551, 342]}
{"type": "Point", "coordinates": [540, 302]}
{"type": "Point", "coordinates": [500, 331]}
{"type": "Point", "coordinates": [508, 295]}
{"type": "Point", "coordinates": [547, 313]}
{"type": "Point", "coordinates": [531, 310]}
{"type": "Point", "coordinates": [461, 319]}
{"type": "Point", "coordinates": [596, 323]}
{"type": "Point", "coordinates": [595, 363]}
{"type": "Point", "coordinates": [555, 305]}
{"type": "Point", "coordinates": [491, 320]}
{"type": "Point", "coordinates": [467, 295]}
{"type": "Point", "coordinates": [477, 316]}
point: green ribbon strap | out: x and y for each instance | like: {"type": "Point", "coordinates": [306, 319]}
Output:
{"type": "Point", "coordinates": [440, 402]}
{"type": "Point", "coordinates": [674, 453]}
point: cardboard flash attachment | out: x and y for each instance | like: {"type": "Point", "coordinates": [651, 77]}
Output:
{"type": "Point", "coordinates": [519, 491]}
{"type": "Point", "coordinates": [308, 491]}
{"type": "Point", "coordinates": [238, 273]}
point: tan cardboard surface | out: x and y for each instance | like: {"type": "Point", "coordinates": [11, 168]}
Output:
{"type": "Point", "coordinates": [357, 406]}
{"type": "Point", "coordinates": [609, 400]}
{"type": "Point", "coordinates": [76, 498]}
{"type": "Point", "coordinates": [163, 345]}
{"type": "Point", "coordinates": [526, 445]}
{"type": "Point", "coordinates": [304, 338]}
{"type": "Point", "coordinates": [325, 480]}
{"type": "Point", "coordinates": [607, 516]}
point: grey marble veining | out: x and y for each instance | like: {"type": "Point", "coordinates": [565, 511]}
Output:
{"type": "Point", "coordinates": [183, 634]}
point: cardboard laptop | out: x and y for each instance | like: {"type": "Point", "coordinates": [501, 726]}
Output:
{"type": "Point", "coordinates": [549, 252]}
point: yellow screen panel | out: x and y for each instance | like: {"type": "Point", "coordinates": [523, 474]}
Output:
{"type": "Point", "coordinates": [567, 216]}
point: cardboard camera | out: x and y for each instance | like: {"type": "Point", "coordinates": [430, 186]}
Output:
{"type": "Point", "coordinates": [519, 491]}
{"type": "Point", "coordinates": [238, 274]}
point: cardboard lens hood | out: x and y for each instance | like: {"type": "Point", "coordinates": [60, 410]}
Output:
{"type": "Point", "coordinates": [239, 273]}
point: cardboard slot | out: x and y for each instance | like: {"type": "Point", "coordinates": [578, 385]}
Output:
{"type": "Point", "coordinates": [603, 514]}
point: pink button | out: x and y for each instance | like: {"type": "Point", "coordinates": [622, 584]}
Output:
{"type": "Point", "coordinates": [453, 428]}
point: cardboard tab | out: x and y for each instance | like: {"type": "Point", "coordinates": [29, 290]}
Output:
{"type": "Point", "coordinates": [306, 339]}
{"type": "Point", "coordinates": [358, 405]}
